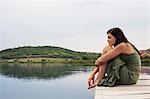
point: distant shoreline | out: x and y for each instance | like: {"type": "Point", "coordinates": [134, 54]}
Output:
{"type": "Point", "coordinates": [48, 60]}
{"type": "Point", "coordinates": [57, 61]}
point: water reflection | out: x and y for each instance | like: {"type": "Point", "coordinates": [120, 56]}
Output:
{"type": "Point", "coordinates": [40, 70]}
{"type": "Point", "coordinates": [44, 81]}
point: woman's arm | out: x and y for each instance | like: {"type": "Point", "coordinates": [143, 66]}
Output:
{"type": "Point", "coordinates": [111, 54]}
{"type": "Point", "coordinates": [96, 69]}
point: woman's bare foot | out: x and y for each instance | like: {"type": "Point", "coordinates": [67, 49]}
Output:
{"type": "Point", "coordinates": [96, 82]}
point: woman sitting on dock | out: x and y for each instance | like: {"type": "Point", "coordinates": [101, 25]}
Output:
{"type": "Point", "coordinates": [120, 62]}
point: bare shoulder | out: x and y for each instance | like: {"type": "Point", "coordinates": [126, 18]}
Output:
{"type": "Point", "coordinates": [125, 48]}
{"type": "Point", "coordinates": [120, 48]}
{"type": "Point", "coordinates": [121, 45]}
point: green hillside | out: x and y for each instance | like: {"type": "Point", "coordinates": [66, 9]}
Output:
{"type": "Point", "coordinates": [45, 52]}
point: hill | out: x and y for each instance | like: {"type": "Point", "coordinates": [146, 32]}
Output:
{"type": "Point", "coordinates": [45, 52]}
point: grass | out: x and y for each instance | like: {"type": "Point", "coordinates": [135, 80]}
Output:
{"type": "Point", "coordinates": [49, 60]}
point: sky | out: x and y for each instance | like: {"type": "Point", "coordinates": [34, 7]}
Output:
{"type": "Point", "coordinates": [79, 25]}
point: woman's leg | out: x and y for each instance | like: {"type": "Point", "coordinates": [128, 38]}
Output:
{"type": "Point", "coordinates": [102, 68]}
{"type": "Point", "coordinates": [92, 76]}
{"type": "Point", "coordinates": [100, 76]}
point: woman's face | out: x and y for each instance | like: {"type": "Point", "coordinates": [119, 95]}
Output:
{"type": "Point", "coordinates": [111, 39]}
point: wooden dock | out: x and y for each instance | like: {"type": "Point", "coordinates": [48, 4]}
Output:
{"type": "Point", "coordinates": [141, 90]}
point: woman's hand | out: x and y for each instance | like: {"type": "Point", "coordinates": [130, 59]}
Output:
{"type": "Point", "coordinates": [91, 80]}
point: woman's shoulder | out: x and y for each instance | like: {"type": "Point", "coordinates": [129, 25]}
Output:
{"type": "Point", "coordinates": [122, 45]}
{"type": "Point", "coordinates": [126, 47]}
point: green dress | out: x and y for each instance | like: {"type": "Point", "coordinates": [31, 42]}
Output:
{"type": "Point", "coordinates": [123, 69]}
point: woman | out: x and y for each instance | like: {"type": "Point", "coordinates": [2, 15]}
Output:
{"type": "Point", "coordinates": [120, 62]}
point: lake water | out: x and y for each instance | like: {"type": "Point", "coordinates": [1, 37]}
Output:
{"type": "Point", "coordinates": [44, 81]}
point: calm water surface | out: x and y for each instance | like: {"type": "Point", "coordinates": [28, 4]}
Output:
{"type": "Point", "coordinates": [44, 81]}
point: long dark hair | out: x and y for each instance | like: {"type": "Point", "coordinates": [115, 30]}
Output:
{"type": "Point", "coordinates": [120, 37]}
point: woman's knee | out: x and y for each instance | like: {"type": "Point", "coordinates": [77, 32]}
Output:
{"type": "Point", "coordinates": [107, 48]}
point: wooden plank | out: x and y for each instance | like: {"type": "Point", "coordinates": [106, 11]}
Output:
{"type": "Point", "coordinates": [141, 90]}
